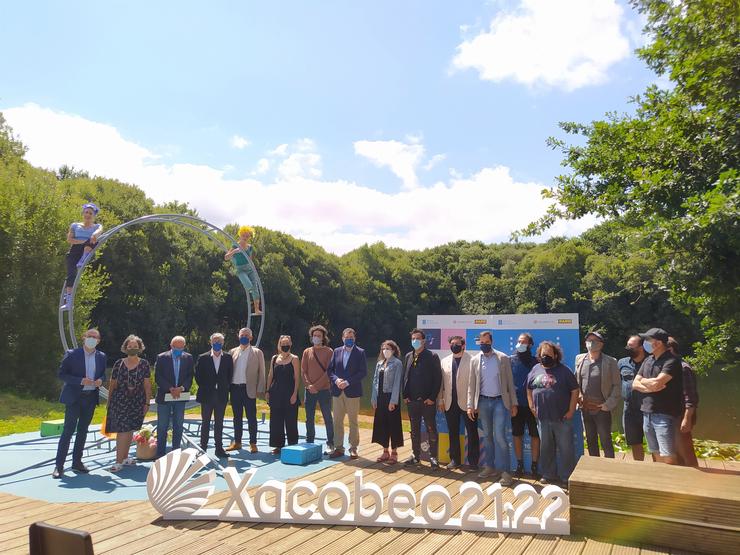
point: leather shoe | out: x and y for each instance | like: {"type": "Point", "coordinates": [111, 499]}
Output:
{"type": "Point", "coordinates": [80, 467]}
{"type": "Point", "coordinates": [58, 473]}
{"type": "Point", "coordinates": [336, 454]}
{"type": "Point", "coordinates": [253, 448]}
{"type": "Point", "coordinates": [235, 446]}
{"type": "Point", "coordinates": [353, 453]}
{"type": "Point", "coordinates": [221, 454]}
{"type": "Point", "coordinates": [434, 462]}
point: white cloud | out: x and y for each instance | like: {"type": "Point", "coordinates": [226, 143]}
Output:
{"type": "Point", "coordinates": [239, 142]}
{"type": "Point", "coordinates": [263, 166]}
{"type": "Point", "coordinates": [567, 44]}
{"type": "Point", "coordinates": [401, 158]}
{"type": "Point", "coordinates": [280, 150]}
{"type": "Point", "coordinates": [434, 160]}
{"type": "Point", "coordinates": [339, 215]}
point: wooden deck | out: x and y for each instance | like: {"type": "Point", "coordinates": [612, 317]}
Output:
{"type": "Point", "coordinates": [135, 527]}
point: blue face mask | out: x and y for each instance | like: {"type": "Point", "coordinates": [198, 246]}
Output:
{"type": "Point", "coordinates": [486, 347]}
{"type": "Point", "coordinates": [416, 343]}
{"type": "Point", "coordinates": [176, 353]}
{"type": "Point", "coordinates": [349, 342]}
{"type": "Point", "coordinates": [243, 340]}
{"type": "Point", "coordinates": [648, 346]}
{"type": "Point", "coordinates": [217, 346]}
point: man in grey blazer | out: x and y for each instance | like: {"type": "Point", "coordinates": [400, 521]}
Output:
{"type": "Point", "coordinates": [600, 385]}
{"type": "Point", "coordinates": [453, 400]}
{"type": "Point", "coordinates": [247, 383]}
{"type": "Point", "coordinates": [492, 396]}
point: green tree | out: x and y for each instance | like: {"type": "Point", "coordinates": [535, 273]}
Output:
{"type": "Point", "coordinates": [668, 171]}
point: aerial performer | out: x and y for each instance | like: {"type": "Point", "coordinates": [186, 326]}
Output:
{"type": "Point", "coordinates": [82, 237]}
{"type": "Point", "coordinates": [244, 270]}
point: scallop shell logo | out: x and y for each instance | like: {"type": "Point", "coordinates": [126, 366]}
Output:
{"type": "Point", "coordinates": [170, 486]}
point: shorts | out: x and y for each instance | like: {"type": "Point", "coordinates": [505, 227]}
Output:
{"type": "Point", "coordinates": [632, 422]}
{"type": "Point", "coordinates": [524, 417]}
{"type": "Point", "coordinates": [660, 432]}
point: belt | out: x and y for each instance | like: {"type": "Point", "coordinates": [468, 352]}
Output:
{"type": "Point", "coordinates": [489, 397]}
{"type": "Point", "coordinates": [89, 391]}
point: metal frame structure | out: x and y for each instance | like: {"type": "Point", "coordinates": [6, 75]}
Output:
{"type": "Point", "coordinates": [222, 239]}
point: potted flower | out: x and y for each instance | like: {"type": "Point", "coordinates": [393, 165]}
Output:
{"type": "Point", "coordinates": [146, 443]}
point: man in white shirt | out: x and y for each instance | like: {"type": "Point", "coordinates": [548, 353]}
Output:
{"type": "Point", "coordinates": [247, 383]}
{"type": "Point", "coordinates": [491, 395]}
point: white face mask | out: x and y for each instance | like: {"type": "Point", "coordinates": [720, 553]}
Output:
{"type": "Point", "coordinates": [521, 347]}
{"type": "Point", "coordinates": [387, 353]}
{"type": "Point", "coordinates": [91, 342]}
{"type": "Point", "coordinates": [593, 346]}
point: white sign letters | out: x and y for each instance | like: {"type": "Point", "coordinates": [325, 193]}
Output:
{"type": "Point", "coordinates": [178, 494]}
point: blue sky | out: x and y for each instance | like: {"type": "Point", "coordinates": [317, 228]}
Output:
{"type": "Point", "coordinates": [374, 103]}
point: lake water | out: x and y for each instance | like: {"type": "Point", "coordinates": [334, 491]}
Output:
{"type": "Point", "coordinates": [719, 394]}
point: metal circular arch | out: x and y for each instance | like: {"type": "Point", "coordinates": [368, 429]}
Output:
{"type": "Point", "coordinates": [222, 239]}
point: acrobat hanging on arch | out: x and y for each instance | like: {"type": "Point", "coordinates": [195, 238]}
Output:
{"type": "Point", "coordinates": [81, 237]}
{"type": "Point", "coordinates": [244, 266]}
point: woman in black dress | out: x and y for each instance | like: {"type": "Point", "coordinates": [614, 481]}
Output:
{"type": "Point", "coordinates": [129, 392]}
{"type": "Point", "coordinates": [385, 399]}
{"type": "Point", "coordinates": [282, 395]}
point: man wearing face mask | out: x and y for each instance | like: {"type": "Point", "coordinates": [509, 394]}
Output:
{"type": "Point", "coordinates": [173, 373]}
{"type": "Point", "coordinates": [522, 363]}
{"type": "Point", "coordinates": [453, 400]}
{"type": "Point", "coordinates": [213, 373]}
{"type": "Point", "coordinates": [492, 396]}
{"type": "Point", "coordinates": [632, 415]}
{"type": "Point", "coordinates": [314, 370]}
{"type": "Point", "coordinates": [247, 383]}
{"type": "Point", "coordinates": [422, 380]}
{"type": "Point", "coordinates": [82, 371]}
{"type": "Point", "coordinates": [347, 368]}
{"type": "Point", "coordinates": [597, 375]}
{"type": "Point", "coordinates": [660, 379]}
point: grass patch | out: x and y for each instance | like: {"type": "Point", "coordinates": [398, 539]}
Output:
{"type": "Point", "coordinates": [24, 414]}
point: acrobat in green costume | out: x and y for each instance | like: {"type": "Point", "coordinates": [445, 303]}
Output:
{"type": "Point", "coordinates": [244, 270]}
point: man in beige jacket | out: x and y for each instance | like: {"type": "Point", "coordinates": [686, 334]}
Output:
{"type": "Point", "coordinates": [600, 384]}
{"type": "Point", "coordinates": [492, 396]}
{"type": "Point", "coordinates": [453, 400]}
{"type": "Point", "coordinates": [248, 382]}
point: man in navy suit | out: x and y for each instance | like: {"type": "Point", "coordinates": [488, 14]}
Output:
{"type": "Point", "coordinates": [82, 371]}
{"type": "Point", "coordinates": [173, 373]}
{"type": "Point", "coordinates": [213, 373]}
{"type": "Point", "coordinates": [347, 367]}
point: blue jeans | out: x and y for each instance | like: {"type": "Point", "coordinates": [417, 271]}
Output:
{"type": "Point", "coordinates": [493, 416]}
{"type": "Point", "coordinates": [323, 397]}
{"type": "Point", "coordinates": [660, 430]}
{"type": "Point", "coordinates": [169, 413]}
{"type": "Point", "coordinates": [556, 440]}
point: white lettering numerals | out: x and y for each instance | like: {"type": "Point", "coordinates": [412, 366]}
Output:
{"type": "Point", "coordinates": [179, 492]}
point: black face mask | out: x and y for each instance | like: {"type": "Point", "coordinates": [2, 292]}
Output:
{"type": "Point", "coordinates": [285, 348]}
{"type": "Point", "coordinates": [456, 349]}
{"type": "Point", "coordinates": [547, 361]}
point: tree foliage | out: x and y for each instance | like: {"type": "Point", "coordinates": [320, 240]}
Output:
{"type": "Point", "coordinates": [667, 173]}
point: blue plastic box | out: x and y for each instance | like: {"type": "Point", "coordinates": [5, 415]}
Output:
{"type": "Point", "coordinates": [302, 453]}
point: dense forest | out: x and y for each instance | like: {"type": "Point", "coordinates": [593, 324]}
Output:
{"type": "Point", "coordinates": [664, 178]}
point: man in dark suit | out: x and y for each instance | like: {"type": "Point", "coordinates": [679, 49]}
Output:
{"type": "Point", "coordinates": [82, 371]}
{"type": "Point", "coordinates": [347, 367]}
{"type": "Point", "coordinates": [173, 374]}
{"type": "Point", "coordinates": [213, 373]}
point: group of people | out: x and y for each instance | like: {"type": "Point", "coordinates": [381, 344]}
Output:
{"type": "Point", "coordinates": [486, 391]}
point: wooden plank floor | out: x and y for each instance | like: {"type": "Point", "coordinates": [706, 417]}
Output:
{"type": "Point", "coordinates": [135, 527]}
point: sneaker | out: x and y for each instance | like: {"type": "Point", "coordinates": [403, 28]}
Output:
{"type": "Point", "coordinates": [519, 472]}
{"type": "Point", "coordinates": [67, 302]}
{"type": "Point", "coordinates": [506, 480]}
{"type": "Point", "coordinates": [412, 460]}
{"type": "Point", "coordinates": [452, 465]}
{"type": "Point", "coordinates": [488, 472]}
{"type": "Point", "coordinates": [329, 449]}
{"type": "Point", "coordinates": [434, 463]}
